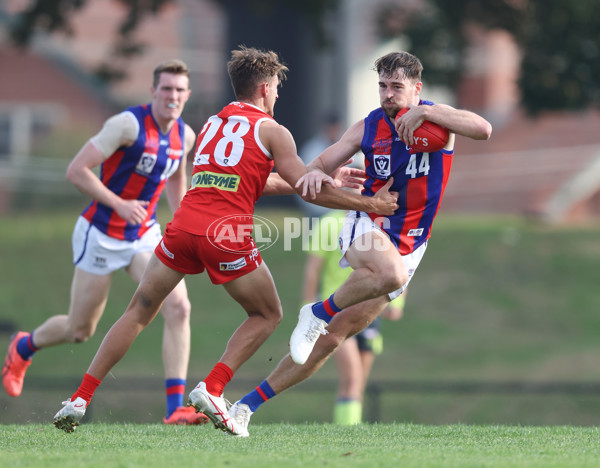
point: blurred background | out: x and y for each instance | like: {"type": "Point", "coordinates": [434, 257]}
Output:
{"type": "Point", "coordinates": [501, 323]}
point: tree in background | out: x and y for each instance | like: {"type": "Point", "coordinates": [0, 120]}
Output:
{"type": "Point", "coordinates": [559, 42]}
{"type": "Point", "coordinates": [54, 16]}
{"type": "Point", "coordinates": [558, 39]}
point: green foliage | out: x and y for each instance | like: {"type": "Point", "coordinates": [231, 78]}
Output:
{"type": "Point", "coordinates": [54, 16]}
{"type": "Point", "coordinates": [559, 41]}
{"type": "Point", "coordinates": [438, 31]}
{"type": "Point", "coordinates": [283, 445]}
{"type": "Point", "coordinates": [561, 55]}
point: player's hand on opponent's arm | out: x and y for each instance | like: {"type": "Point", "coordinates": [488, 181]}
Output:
{"type": "Point", "coordinates": [385, 202]}
{"type": "Point", "coordinates": [132, 211]}
{"type": "Point", "coordinates": [349, 177]}
{"type": "Point", "coordinates": [343, 176]}
{"type": "Point", "coordinates": [312, 181]}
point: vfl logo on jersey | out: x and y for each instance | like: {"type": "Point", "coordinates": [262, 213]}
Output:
{"type": "Point", "coordinates": [415, 232]}
{"type": "Point", "coordinates": [146, 164]}
{"type": "Point", "coordinates": [228, 182]}
{"type": "Point", "coordinates": [382, 163]}
{"type": "Point", "coordinates": [230, 266]}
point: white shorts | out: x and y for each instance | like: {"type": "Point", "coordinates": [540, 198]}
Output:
{"type": "Point", "coordinates": [97, 253]}
{"type": "Point", "coordinates": [358, 223]}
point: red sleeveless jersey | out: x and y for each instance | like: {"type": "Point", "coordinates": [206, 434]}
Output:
{"type": "Point", "coordinates": [231, 167]}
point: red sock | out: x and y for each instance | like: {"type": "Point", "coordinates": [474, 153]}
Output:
{"type": "Point", "coordinates": [87, 388]}
{"type": "Point", "coordinates": [218, 378]}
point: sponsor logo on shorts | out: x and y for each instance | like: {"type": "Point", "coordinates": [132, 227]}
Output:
{"type": "Point", "coordinates": [253, 255]}
{"type": "Point", "coordinates": [100, 262]}
{"type": "Point", "coordinates": [415, 232]}
{"type": "Point", "coordinates": [230, 266]}
{"type": "Point", "coordinates": [227, 182]}
{"type": "Point", "coordinates": [165, 250]}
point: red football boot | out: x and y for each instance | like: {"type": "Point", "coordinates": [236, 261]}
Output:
{"type": "Point", "coordinates": [13, 372]}
{"type": "Point", "coordinates": [186, 415]}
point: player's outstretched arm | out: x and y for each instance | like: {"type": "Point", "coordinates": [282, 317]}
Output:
{"type": "Point", "coordinates": [347, 177]}
{"type": "Point", "coordinates": [281, 145]}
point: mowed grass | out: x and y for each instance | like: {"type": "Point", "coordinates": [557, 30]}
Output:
{"type": "Point", "coordinates": [495, 299]}
{"type": "Point", "coordinates": [283, 445]}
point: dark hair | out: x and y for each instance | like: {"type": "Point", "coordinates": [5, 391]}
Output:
{"type": "Point", "coordinates": [174, 66]}
{"type": "Point", "coordinates": [409, 65]}
{"type": "Point", "coordinates": [250, 67]}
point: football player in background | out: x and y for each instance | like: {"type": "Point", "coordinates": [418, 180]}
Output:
{"type": "Point", "coordinates": [140, 151]}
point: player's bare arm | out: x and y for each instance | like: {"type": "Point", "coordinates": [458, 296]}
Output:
{"type": "Point", "coordinates": [115, 133]}
{"type": "Point", "coordinates": [281, 145]}
{"type": "Point", "coordinates": [458, 121]}
{"type": "Point", "coordinates": [276, 185]}
{"type": "Point", "coordinates": [341, 151]}
{"type": "Point", "coordinates": [331, 158]}
{"type": "Point", "coordinates": [347, 177]}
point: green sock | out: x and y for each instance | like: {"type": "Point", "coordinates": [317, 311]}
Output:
{"type": "Point", "coordinates": [347, 412]}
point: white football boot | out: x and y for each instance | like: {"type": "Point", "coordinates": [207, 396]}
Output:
{"type": "Point", "coordinates": [241, 413]}
{"type": "Point", "coordinates": [69, 416]}
{"type": "Point", "coordinates": [215, 408]}
{"type": "Point", "coordinates": [306, 334]}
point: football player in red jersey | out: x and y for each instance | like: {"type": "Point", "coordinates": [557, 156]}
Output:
{"type": "Point", "coordinates": [383, 251]}
{"type": "Point", "coordinates": [141, 151]}
{"type": "Point", "coordinates": [235, 154]}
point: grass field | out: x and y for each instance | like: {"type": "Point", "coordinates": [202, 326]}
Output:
{"type": "Point", "coordinates": [495, 300]}
{"type": "Point", "coordinates": [289, 445]}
